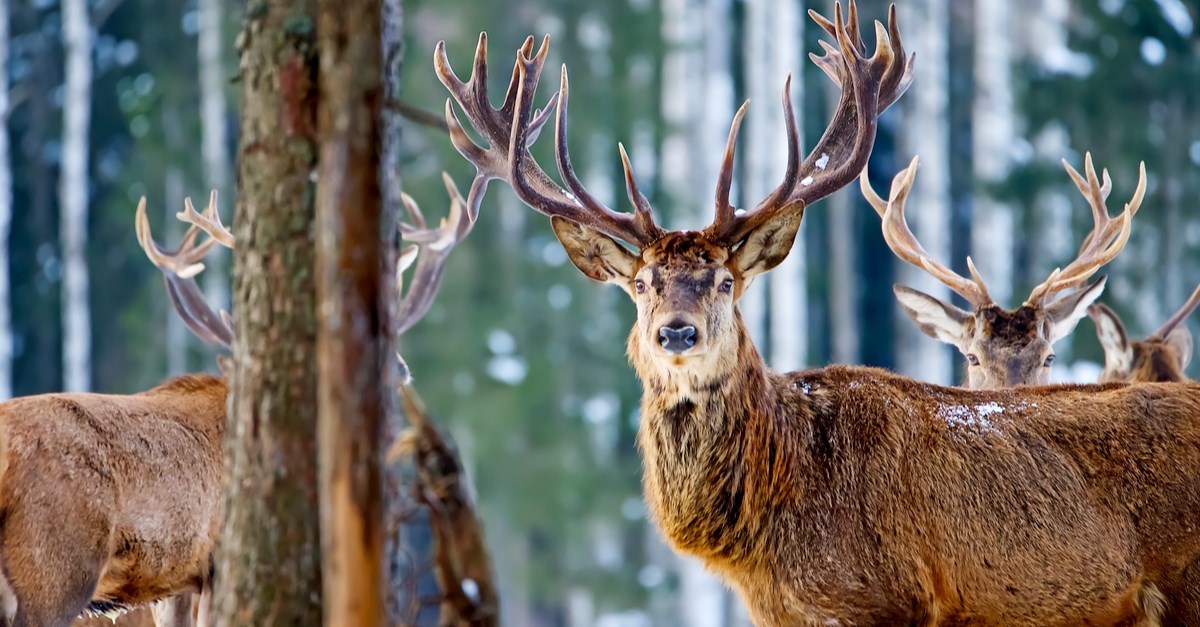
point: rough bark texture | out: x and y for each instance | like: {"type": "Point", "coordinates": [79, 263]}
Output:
{"type": "Point", "coordinates": [6, 347]}
{"type": "Point", "coordinates": [350, 339]}
{"type": "Point", "coordinates": [73, 196]}
{"type": "Point", "coordinates": [268, 560]}
{"type": "Point", "coordinates": [402, 549]}
{"type": "Point", "coordinates": [925, 132]}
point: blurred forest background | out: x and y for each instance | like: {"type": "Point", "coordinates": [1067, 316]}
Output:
{"type": "Point", "coordinates": [104, 101]}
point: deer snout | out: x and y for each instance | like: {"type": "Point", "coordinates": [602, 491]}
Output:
{"type": "Point", "coordinates": [677, 337]}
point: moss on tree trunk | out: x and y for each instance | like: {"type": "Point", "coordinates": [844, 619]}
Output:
{"type": "Point", "coordinates": [268, 566]}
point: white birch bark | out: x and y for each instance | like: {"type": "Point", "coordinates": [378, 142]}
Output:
{"type": "Point", "coordinates": [772, 40]}
{"type": "Point", "coordinates": [697, 109]}
{"type": "Point", "coordinates": [214, 141]}
{"type": "Point", "coordinates": [6, 209]}
{"type": "Point", "coordinates": [994, 132]}
{"type": "Point", "coordinates": [73, 195]}
{"type": "Point", "coordinates": [924, 131]}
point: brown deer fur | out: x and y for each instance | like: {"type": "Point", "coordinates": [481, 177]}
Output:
{"type": "Point", "coordinates": [109, 502]}
{"type": "Point", "coordinates": [853, 496]}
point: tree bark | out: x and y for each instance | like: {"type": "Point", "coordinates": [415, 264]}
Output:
{"type": "Point", "coordinates": [6, 209]}
{"type": "Point", "coordinates": [214, 137]}
{"type": "Point", "coordinates": [993, 126]}
{"type": "Point", "coordinates": [268, 560]}
{"type": "Point", "coordinates": [73, 195]}
{"type": "Point", "coordinates": [350, 338]}
{"type": "Point", "coordinates": [925, 132]}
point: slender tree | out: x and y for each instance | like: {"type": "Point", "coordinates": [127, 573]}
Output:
{"type": "Point", "coordinates": [269, 555]}
{"type": "Point", "coordinates": [73, 195]}
{"type": "Point", "coordinates": [214, 136]}
{"type": "Point", "coordinates": [924, 131]}
{"type": "Point", "coordinates": [993, 127]}
{"type": "Point", "coordinates": [351, 414]}
{"type": "Point", "coordinates": [843, 282]}
{"type": "Point", "coordinates": [6, 206]}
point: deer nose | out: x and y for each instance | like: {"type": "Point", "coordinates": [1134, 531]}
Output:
{"type": "Point", "coordinates": [677, 337]}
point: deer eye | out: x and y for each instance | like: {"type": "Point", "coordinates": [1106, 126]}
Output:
{"type": "Point", "coordinates": [973, 359]}
{"type": "Point", "coordinates": [639, 286]}
{"type": "Point", "coordinates": [1049, 360]}
{"type": "Point", "coordinates": [726, 286]}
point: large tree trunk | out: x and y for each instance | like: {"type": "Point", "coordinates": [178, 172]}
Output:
{"type": "Point", "coordinates": [350, 336]}
{"type": "Point", "coordinates": [73, 195]}
{"type": "Point", "coordinates": [925, 132]}
{"type": "Point", "coordinates": [994, 130]}
{"type": "Point", "coordinates": [213, 134]}
{"type": "Point", "coordinates": [6, 207]}
{"type": "Point", "coordinates": [269, 552]}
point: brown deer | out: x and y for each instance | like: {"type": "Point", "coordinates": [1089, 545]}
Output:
{"type": "Point", "coordinates": [1163, 356]}
{"type": "Point", "coordinates": [1008, 348]}
{"type": "Point", "coordinates": [110, 503]}
{"type": "Point", "coordinates": [850, 495]}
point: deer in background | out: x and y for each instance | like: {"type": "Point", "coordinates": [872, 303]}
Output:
{"type": "Point", "coordinates": [1163, 356]}
{"type": "Point", "coordinates": [133, 486]}
{"type": "Point", "coordinates": [850, 495]}
{"type": "Point", "coordinates": [1008, 348]}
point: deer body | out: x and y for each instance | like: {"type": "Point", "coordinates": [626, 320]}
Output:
{"type": "Point", "coordinates": [851, 494]}
{"type": "Point", "coordinates": [109, 502]}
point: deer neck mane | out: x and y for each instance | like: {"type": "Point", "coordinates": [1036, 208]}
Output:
{"type": "Point", "coordinates": [714, 457]}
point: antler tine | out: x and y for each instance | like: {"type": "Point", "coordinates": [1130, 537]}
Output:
{"type": "Point", "coordinates": [869, 85]}
{"type": "Point", "coordinates": [509, 132]}
{"type": "Point", "coordinates": [1108, 236]}
{"type": "Point", "coordinates": [430, 249]}
{"type": "Point", "coordinates": [209, 221]}
{"type": "Point", "coordinates": [905, 245]}
{"type": "Point", "coordinates": [724, 209]}
{"type": "Point", "coordinates": [180, 268]}
{"type": "Point", "coordinates": [1178, 316]}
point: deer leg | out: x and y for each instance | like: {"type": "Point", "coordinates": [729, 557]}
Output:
{"type": "Point", "coordinates": [175, 611]}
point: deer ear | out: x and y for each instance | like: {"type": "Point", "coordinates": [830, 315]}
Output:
{"type": "Point", "coordinates": [1181, 340]}
{"type": "Point", "coordinates": [1066, 312]}
{"type": "Point", "coordinates": [1118, 355]}
{"type": "Point", "coordinates": [937, 319]}
{"type": "Point", "coordinates": [597, 255]}
{"type": "Point", "coordinates": [768, 244]}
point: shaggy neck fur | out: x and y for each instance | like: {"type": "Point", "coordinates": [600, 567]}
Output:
{"type": "Point", "coordinates": [714, 449]}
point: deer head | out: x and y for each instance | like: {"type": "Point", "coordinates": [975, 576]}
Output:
{"type": "Point", "coordinates": [685, 283]}
{"type": "Point", "coordinates": [1005, 348]}
{"type": "Point", "coordinates": [1161, 357]}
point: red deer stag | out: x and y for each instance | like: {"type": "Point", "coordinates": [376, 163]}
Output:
{"type": "Point", "coordinates": [1009, 348]}
{"type": "Point", "coordinates": [135, 484]}
{"type": "Point", "coordinates": [1161, 357]}
{"type": "Point", "coordinates": [850, 495]}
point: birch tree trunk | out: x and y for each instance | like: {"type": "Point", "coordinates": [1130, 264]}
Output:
{"type": "Point", "coordinates": [773, 33]}
{"type": "Point", "coordinates": [697, 109]}
{"type": "Point", "coordinates": [73, 195]}
{"type": "Point", "coordinates": [268, 555]}
{"type": "Point", "coordinates": [6, 211]}
{"type": "Point", "coordinates": [214, 137]}
{"type": "Point", "coordinates": [351, 415]}
{"type": "Point", "coordinates": [993, 126]}
{"type": "Point", "coordinates": [924, 131]}
{"type": "Point", "coordinates": [844, 286]}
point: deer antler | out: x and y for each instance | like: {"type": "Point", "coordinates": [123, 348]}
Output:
{"type": "Point", "coordinates": [869, 86]}
{"type": "Point", "coordinates": [511, 129]}
{"type": "Point", "coordinates": [1108, 236]}
{"type": "Point", "coordinates": [905, 245]}
{"type": "Point", "coordinates": [180, 267]}
{"type": "Point", "coordinates": [1177, 317]}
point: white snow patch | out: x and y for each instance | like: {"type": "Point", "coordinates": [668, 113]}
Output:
{"type": "Point", "coordinates": [806, 181]}
{"type": "Point", "coordinates": [823, 161]}
{"type": "Point", "coordinates": [739, 212]}
{"type": "Point", "coordinates": [972, 417]}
